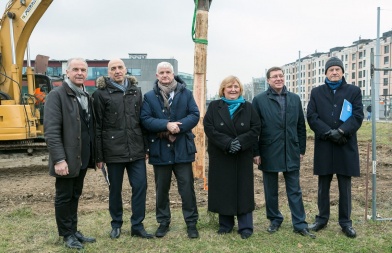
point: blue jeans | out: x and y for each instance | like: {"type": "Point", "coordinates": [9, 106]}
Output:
{"type": "Point", "coordinates": [137, 177]}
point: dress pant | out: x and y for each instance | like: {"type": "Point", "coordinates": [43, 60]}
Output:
{"type": "Point", "coordinates": [68, 191]}
{"type": "Point", "coordinates": [137, 177]}
{"type": "Point", "coordinates": [184, 175]}
{"type": "Point", "coordinates": [245, 222]}
{"type": "Point", "coordinates": [323, 201]}
{"type": "Point", "coordinates": [294, 196]}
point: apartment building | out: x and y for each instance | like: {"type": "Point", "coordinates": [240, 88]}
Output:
{"type": "Point", "coordinates": [308, 72]}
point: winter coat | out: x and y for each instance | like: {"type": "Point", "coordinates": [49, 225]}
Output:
{"type": "Point", "coordinates": [154, 117]}
{"type": "Point", "coordinates": [281, 141]}
{"type": "Point", "coordinates": [230, 176]}
{"type": "Point", "coordinates": [119, 134]}
{"type": "Point", "coordinates": [62, 124]}
{"type": "Point", "coordinates": [323, 114]}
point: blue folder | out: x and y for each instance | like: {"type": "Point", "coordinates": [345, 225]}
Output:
{"type": "Point", "coordinates": [347, 111]}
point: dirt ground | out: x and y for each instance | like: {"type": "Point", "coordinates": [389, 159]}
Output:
{"type": "Point", "coordinates": [24, 181]}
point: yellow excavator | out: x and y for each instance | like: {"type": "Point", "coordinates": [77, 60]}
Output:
{"type": "Point", "coordinates": [22, 97]}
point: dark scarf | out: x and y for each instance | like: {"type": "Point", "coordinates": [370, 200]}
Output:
{"type": "Point", "coordinates": [233, 104]}
{"type": "Point", "coordinates": [333, 85]}
{"type": "Point", "coordinates": [166, 90]}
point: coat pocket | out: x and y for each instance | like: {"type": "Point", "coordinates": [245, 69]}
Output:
{"type": "Point", "coordinates": [190, 143]}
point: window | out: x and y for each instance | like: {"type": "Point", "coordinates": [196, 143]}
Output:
{"type": "Point", "coordinates": [360, 74]}
{"type": "Point", "coordinates": [360, 65]}
{"type": "Point", "coordinates": [353, 57]}
{"type": "Point", "coordinates": [134, 72]}
{"type": "Point", "coordinates": [385, 81]}
{"type": "Point", "coordinates": [353, 75]}
{"type": "Point", "coordinates": [54, 71]}
{"type": "Point", "coordinates": [360, 83]}
{"type": "Point", "coordinates": [353, 66]}
{"type": "Point", "coordinates": [95, 72]}
{"type": "Point", "coordinates": [360, 55]}
{"type": "Point", "coordinates": [386, 49]}
{"type": "Point", "coordinates": [364, 53]}
{"type": "Point", "coordinates": [363, 73]}
{"type": "Point", "coordinates": [364, 63]}
{"type": "Point", "coordinates": [386, 60]}
{"type": "Point", "coordinates": [385, 91]}
{"type": "Point", "coordinates": [385, 72]}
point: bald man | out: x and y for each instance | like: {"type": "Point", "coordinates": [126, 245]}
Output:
{"type": "Point", "coordinates": [120, 144]}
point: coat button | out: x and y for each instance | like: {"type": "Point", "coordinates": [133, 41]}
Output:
{"type": "Point", "coordinates": [221, 123]}
{"type": "Point", "coordinates": [112, 137]}
{"type": "Point", "coordinates": [335, 105]}
{"type": "Point", "coordinates": [242, 124]}
{"type": "Point", "coordinates": [168, 145]}
{"type": "Point", "coordinates": [152, 140]}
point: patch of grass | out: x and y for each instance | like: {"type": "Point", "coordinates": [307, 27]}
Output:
{"type": "Point", "coordinates": [38, 233]}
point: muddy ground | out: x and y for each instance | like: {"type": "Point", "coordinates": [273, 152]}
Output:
{"type": "Point", "coordinates": [24, 181]}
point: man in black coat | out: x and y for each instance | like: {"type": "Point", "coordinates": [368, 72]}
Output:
{"type": "Point", "coordinates": [69, 134]}
{"type": "Point", "coordinates": [335, 142]}
{"type": "Point", "coordinates": [120, 144]}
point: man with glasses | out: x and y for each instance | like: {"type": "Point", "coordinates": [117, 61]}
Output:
{"type": "Point", "coordinates": [281, 147]}
{"type": "Point", "coordinates": [69, 134]}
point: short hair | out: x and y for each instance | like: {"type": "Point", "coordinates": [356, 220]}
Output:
{"type": "Point", "coordinates": [165, 64]}
{"type": "Point", "coordinates": [75, 59]}
{"type": "Point", "coordinates": [273, 69]}
{"type": "Point", "coordinates": [227, 81]}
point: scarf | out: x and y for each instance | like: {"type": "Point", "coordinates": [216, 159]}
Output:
{"type": "Point", "coordinates": [80, 93]}
{"type": "Point", "coordinates": [122, 87]}
{"type": "Point", "coordinates": [333, 85]}
{"type": "Point", "coordinates": [233, 104]}
{"type": "Point", "coordinates": [165, 92]}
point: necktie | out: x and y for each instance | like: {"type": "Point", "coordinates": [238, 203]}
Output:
{"type": "Point", "coordinates": [170, 100]}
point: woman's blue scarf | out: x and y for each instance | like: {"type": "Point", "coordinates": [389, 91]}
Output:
{"type": "Point", "coordinates": [333, 85]}
{"type": "Point", "coordinates": [233, 104]}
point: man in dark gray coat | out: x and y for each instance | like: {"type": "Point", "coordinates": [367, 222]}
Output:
{"type": "Point", "coordinates": [282, 144]}
{"type": "Point", "coordinates": [69, 134]}
{"type": "Point", "coordinates": [335, 142]}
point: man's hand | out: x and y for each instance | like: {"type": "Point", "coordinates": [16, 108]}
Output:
{"type": "Point", "coordinates": [173, 127]}
{"type": "Point", "coordinates": [337, 137]}
{"type": "Point", "coordinates": [257, 160]}
{"type": "Point", "coordinates": [61, 168]}
{"type": "Point", "coordinates": [326, 135]}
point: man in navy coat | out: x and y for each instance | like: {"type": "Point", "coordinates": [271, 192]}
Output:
{"type": "Point", "coordinates": [335, 142]}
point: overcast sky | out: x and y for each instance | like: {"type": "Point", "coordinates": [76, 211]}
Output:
{"type": "Point", "coordinates": [245, 36]}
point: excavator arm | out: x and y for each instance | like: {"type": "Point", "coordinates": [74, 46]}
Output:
{"type": "Point", "coordinates": [16, 26]}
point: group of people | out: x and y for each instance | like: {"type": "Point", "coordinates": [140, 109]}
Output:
{"type": "Point", "coordinates": [121, 128]}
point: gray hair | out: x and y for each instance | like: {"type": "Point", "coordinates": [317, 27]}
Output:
{"type": "Point", "coordinates": [75, 59]}
{"type": "Point", "coordinates": [165, 64]}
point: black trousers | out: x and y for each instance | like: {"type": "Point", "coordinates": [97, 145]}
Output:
{"type": "Point", "coordinates": [137, 178]}
{"type": "Point", "coordinates": [294, 196]}
{"type": "Point", "coordinates": [186, 189]}
{"type": "Point", "coordinates": [245, 222]}
{"type": "Point", "coordinates": [68, 191]}
{"type": "Point", "coordinates": [323, 201]}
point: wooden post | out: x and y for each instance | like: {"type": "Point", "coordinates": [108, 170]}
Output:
{"type": "Point", "coordinates": [199, 86]}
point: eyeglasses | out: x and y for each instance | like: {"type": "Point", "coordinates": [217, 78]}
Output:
{"type": "Point", "coordinates": [277, 76]}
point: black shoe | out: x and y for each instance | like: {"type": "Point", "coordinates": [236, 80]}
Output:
{"type": "Point", "coordinates": [192, 232]}
{"type": "Point", "coordinates": [223, 231]}
{"type": "Point", "coordinates": [115, 233]}
{"type": "Point", "coordinates": [273, 228]}
{"type": "Point", "coordinates": [245, 235]}
{"type": "Point", "coordinates": [349, 232]}
{"type": "Point", "coordinates": [305, 232]}
{"type": "Point", "coordinates": [162, 230]}
{"type": "Point", "coordinates": [317, 226]}
{"type": "Point", "coordinates": [72, 242]}
{"type": "Point", "coordinates": [141, 233]}
{"type": "Point", "coordinates": [81, 238]}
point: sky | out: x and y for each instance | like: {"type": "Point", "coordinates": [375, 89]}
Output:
{"type": "Point", "coordinates": [244, 37]}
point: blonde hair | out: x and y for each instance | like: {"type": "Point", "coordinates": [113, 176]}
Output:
{"type": "Point", "coordinates": [228, 81]}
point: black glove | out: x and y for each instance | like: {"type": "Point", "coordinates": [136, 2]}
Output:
{"type": "Point", "coordinates": [342, 140]}
{"type": "Point", "coordinates": [235, 146]}
{"type": "Point", "coordinates": [326, 135]}
{"type": "Point", "coordinates": [335, 135]}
